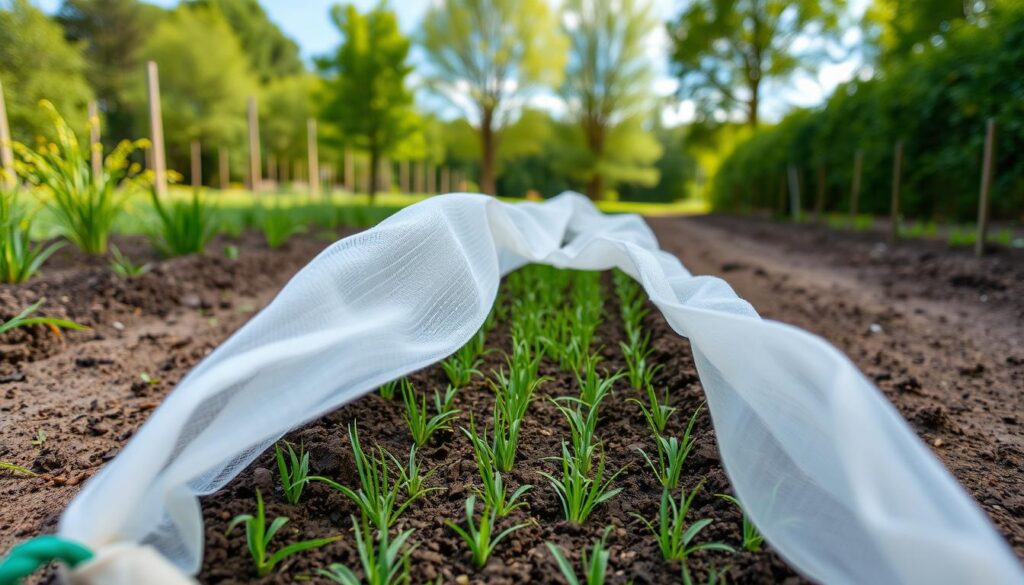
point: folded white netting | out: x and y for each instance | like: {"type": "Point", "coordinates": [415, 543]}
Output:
{"type": "Point", "coordinates": [827, 469]}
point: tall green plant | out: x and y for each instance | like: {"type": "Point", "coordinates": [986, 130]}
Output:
{"type": "Point", "coordinates": [183, 227]}
{"type": "Point", "coordinates": [20, 258]}
{"type": "Point", "coordinates": [85, 205]}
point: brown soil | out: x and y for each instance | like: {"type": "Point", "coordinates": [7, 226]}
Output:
{"type": "Point", "coordinates": [949, 358]}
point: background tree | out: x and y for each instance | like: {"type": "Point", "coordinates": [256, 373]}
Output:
{"type": "Point", "coordinates": [270, 52]}
{"type": "Point", "coordinates": [36, 63]}
{"type": "Point", "coordinates": [367, 96]}
{"type": "Point", "coordinates": [486, 55]}
{"type": "Point", "coordinates": [893, 29]}
{"type": "Point", "coordinates": [112, 34]}
{"type": "Point", "coordinates": [606, 90]}
{"type": "Point", "coordinates": [286, 104]}
{"type": "Point", "coordinates": [724, 50]}
{"type": "Point", "coordinates": [204, 82]}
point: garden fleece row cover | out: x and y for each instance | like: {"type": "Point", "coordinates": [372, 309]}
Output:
{"type": "Point", "coordinates": [826, 468]}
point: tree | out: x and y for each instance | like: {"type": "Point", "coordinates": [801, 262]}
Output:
{"type": "Point", "coordinates": [606, 89]}
{"type": "Point", "coordinates": [37, 63]}
{"type": "Point", "coordinates": [893, 29]}
{"type": "Point", "coordinates": [271, 53]}
{"type": "Point", "coordinates": [724, 50]}
{"type": "Point", "coordinates": [112, 33]}
{"type": "Point", "coordinates": [285, 105]}
{"type": "Point", "coordinates": [204, 80]}
{"type": "Point", "coordinates": [367, 96]}
{"type": "Point", "coordinates": [486, 56]}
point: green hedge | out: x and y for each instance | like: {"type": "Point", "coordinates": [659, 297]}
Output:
{"type": "Point", "coordinates": [937, 103]}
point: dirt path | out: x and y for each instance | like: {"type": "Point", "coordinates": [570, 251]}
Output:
{"type": "Point", "coordinates": [941, 333]}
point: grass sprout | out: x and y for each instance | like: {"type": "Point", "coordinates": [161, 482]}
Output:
{"type": "Point", "coordinates": [582, 429]}
{"type": "Point", "coordinates": [480, 537]}
{"type": "Point", "coordinates": [294, 471]}
{"type": "Point", "coordinates": [377, 496]}
{"type": "Point", "coordinates": [5, 466]}
{"type": "Point", "coordinates": [183, 227]}
{"type": "Point", "coordinates": [752, 538]}
{"type": "Point", "coordinates": [493, 492]}
{"type": "Point", "coordinates": [462, 365]}
{"type": "Point", "coordinates": [578, 492]}
{"type": "Point", "coordinates": [675, 538]}
{"type": "Point", "coordinates": [123, 266]}
{"type": "Point", "coordinates": [422, 426]}
{"type": "Point", "coordinates": [258, 538]}
{"type": "Point", "coordinates": [20, 258]}
{"type": "Point", "coordinates": [594, 563]}
{"type": "Point", "coordinates": [671, 454]}
{"type": "Point", "coordinates": [387, 389]}
{"type": "Point", "coordinates": [656, 410]}
{"type": "Point", "coordinates": [412, 476]}
{"type": "Point", "coordinates": [24, 319]}
{"type": "Point", "coordinates": [593, 387]}
{"type": "Point", "coordinates": [383, 561]}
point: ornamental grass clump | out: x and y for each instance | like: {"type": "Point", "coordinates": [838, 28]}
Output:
{"type": "Point", "coordinates": [20, 258]}
{"type": "Point", "coordinates": [480, 537]}
{"type": "Point", "coordinates": [594, 563]}
{"type": "Point", "coordinates": [84, 204]}
{"type": "Point", "coordinates": [258, 537]}
{"type": "Point", "coordinates": [183, 227]}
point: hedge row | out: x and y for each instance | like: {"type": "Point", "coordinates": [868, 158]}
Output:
{"type": "Point", "coordinates": [936, 102]}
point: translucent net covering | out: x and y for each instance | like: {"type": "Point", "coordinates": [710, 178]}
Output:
{"type": "Point", "coordinates": [826, 468]}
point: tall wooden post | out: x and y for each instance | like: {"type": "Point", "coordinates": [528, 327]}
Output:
{"type": "Point", "coordinates": [794, 192]}
{"type": "Point", "coordinates": [255, 164]}
{"type": "Point", "coordinates": [858, 168]}
{"type": "Point", "coordinates": [225, 176]}
{"type": "Point", "coordinates": [156, 130]}
{"type": "Point", "coordinates": [350, 172]}
{"type": "Point", "coordinates": [403, 175]}
{"type": "Point", "coordinates": [894, 214]}
{"type": "Point", "coordinates": [987, 164]}
{"type": "Point", "coordinates": [385, 174]}
{"type": "Point", "coordinates": [95, 148]}
{"type": "Point", "coordinates": [445, 180]}
{"type": "Point", "coordinates": [197, 165]}
{"type": "Point", "coordinates": [819, 201]}
{"type": "Point", "coordinates": [432, 178]}
{"type": "Point", "coordinates": [314, 157]}
{"type": "Point", "coordinates": [6, 151]}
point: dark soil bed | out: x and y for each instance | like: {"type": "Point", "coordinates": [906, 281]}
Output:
{"type": "Point", "coordinates": [523, 557]}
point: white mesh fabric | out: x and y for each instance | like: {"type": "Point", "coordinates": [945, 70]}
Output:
{"type": "Point", "coordinates": [829, 472]}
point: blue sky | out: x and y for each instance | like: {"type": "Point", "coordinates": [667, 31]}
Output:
{"type": "Point", "coordinates": [307, 23]}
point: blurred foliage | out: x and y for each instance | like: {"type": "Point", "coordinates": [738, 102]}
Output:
{"type": "Point", "coordinates": [36, 63]}
{"type": "Point", "coordinates": [936, 101]}
{"type": "Point", "coordinates": [270, 53]}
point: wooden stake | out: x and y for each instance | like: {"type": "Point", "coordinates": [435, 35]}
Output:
{"type": "Point", "coordinates": [314, 157]}
{"type": "Point", "coordinates": [403, 175]}
{"type": "Point", "coordinates": [987, 164]}
{"type": "Point", "coordinates": [225, 177]}
{"type": "Point", "coordinates": [197, 165]}
{"type": "Point", "coordinates": [6, 151]}
{"type": "Point", "coordinates": [858, 167]}
{"type": "Point", "coordinates": [350, 172]}
{"type": "Point", "coordinates": [819, 202]}
{"type": "Point", "coordinates": [156, 130]}
{"type": "Point", "coordinates": [385, 174]}
{"type": "Point", "coordinates": [95, 148]}
{"type": "Point", "coordinates": [894, 215]}
{"type": "Point", "coordinates": [794, 192]}
{"type": "Point", "coordinates": [255, 163]}
{"type": "Point", "coordinates": [445, 180]}
{"type": "Point", "coordinates": [419, 177]}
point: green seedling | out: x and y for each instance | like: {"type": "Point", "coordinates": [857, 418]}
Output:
{"type": "Point", "coordinates": [412, 476]}
{"type": "Point", "coordinates": [151, 380]}
{"type": "Point", "coordinates": [445, 404]}
{"type": "Point", "coordinates": [231, 252]}
{"type": "Point", "coordinates": [636, 353]}
{"type": "Point", "coordinates": [462, 365]}
{"type": "Point", "coordinates": [593, 387]}
{"type": "Point", "coordinates": [123, 266]}
{"type": "Point", "coordinates": [278, 224]}
{"type": "Point", "coordinates": [377, 496]}
{"type": "Point", "coordinates": [294, 471]}
{"type": "Point", "coordinates": [421, 425]}
{"type": "Point", "coordinates": [383, 561]}
{"type": "Point", "coordinates": [594, 563]}
{"type": "Point", "coordinates": [23, 319]}
{"type": "Point", "coordinates": [20, 258]}
{"type": "Point", "coordinates": [676, 539]}
{"type": "Point", "coordinates": [493, 493]}
{"type": "Point", "coordinates": [40, 439]}
{"type": "Point", "coordinates": [5, 466]}
{"type": "Point", "coordinates": [387, 389]}
{"type": "Point", "coordinates": [582, 429]}
{"type": "Point", "coordinates": [672, 454]}
{"type": "Point", "coordinates": [752, 538]}
{"type": "Point", "coordinates": [258, 538]}
{"type": "Point", "coordinates": [579, 493]}
{"type": "Point", "coordinates": [656, 410]}
{"type": "Point", "coordinates": [480, 537]}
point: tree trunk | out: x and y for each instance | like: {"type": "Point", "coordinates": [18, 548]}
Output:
{"type": "Point", "coordinates": [754, 103]}
{"type": "Point", "coordinates": [487, 147]}
{"type": "Point", "coordinates": [594, 187]}
{"type": "Point", "coordinates": [374, 172]}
